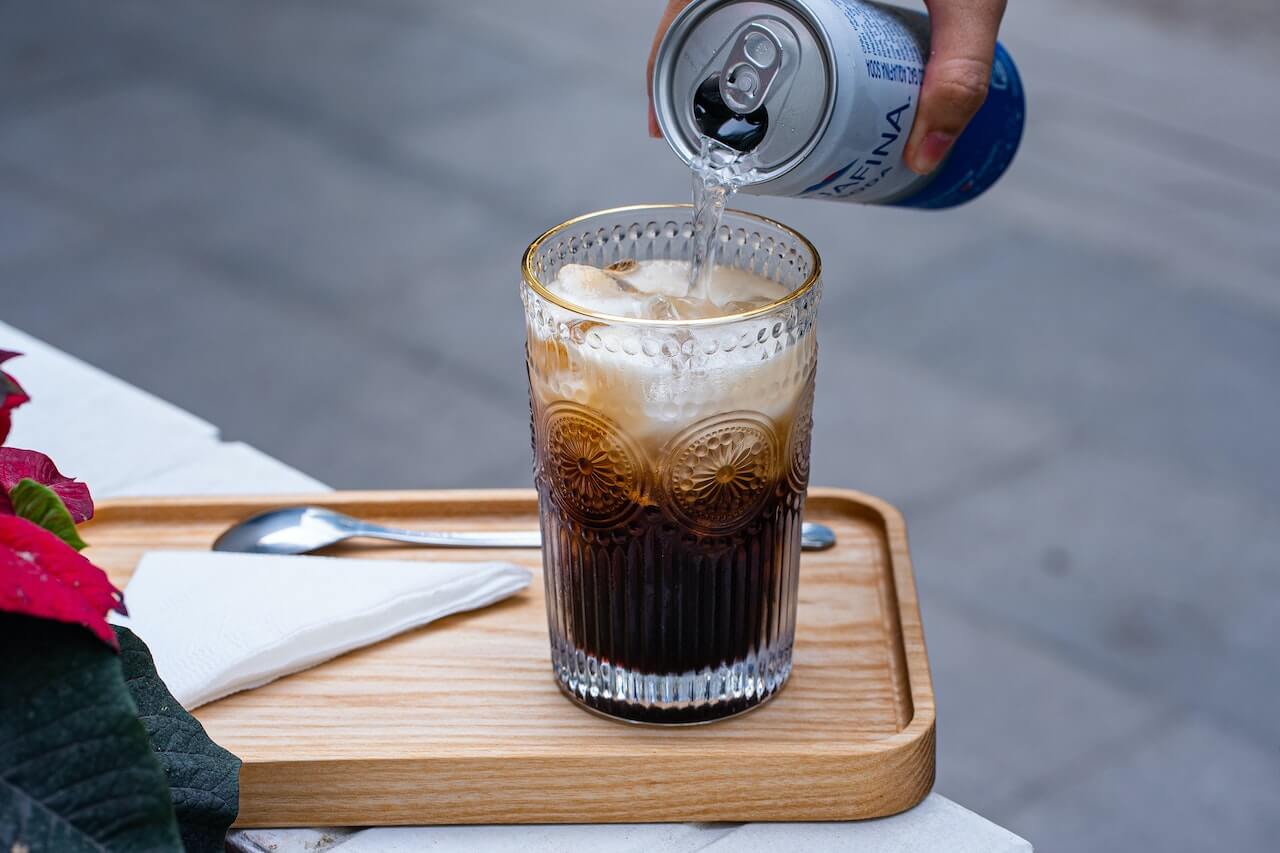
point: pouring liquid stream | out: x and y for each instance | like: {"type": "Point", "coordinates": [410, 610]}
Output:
{"type": "Point", "coordinates": [718, 172]}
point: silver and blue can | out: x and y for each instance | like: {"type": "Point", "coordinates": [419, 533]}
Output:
{"type": "Point", "coordinates": [822, 93]}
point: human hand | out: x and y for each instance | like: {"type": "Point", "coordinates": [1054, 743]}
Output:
{"type": "Point", "coordinates": [962, 46]}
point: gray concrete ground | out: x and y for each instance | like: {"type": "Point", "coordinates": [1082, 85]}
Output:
{"type": "Point", "coordinates": [302, 221]}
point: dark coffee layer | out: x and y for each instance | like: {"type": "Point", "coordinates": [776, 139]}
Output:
{"type": "Point", "coordinates": [703, 623]}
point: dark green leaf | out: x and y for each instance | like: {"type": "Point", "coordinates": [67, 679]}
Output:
{"type": "Point", "coordinates": [203, 777]}
{"type": "Point", "coordinates": [77, 772]}
{"type": "Point", "coordinates": [40, 504]}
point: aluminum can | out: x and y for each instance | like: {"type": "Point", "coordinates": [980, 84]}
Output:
{"type": "Point", "coordinates": [823, 94]}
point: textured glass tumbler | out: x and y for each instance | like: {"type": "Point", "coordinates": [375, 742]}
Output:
{"type": "Point", "coordinates": [671, 460]}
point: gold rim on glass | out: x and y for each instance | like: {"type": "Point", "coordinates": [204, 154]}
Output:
{"type": "Point", "coordinates": [531, 278]}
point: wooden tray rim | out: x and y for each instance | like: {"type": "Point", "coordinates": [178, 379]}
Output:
{"type": "Point", "coordinates": [919, 729]}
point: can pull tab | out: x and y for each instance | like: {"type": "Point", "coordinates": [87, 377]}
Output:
{"type": "Point", "coordinates": [754, 60]}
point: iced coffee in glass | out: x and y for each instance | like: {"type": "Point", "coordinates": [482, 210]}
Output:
{"type": "Point", "coordinates": [671, 431]}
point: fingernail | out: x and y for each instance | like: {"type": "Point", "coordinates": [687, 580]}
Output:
{"type": "Point", "coordinates": [933, 148]}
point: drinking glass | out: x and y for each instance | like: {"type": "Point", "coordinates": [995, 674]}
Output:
{"type": "Point", "coordinates": [671, 459]}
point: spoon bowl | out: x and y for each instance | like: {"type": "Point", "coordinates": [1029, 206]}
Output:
{"type": "Point", "coordinates": [291, 530]}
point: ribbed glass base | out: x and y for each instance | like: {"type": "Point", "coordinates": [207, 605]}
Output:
{"type": "Point", "coordinates": [670, 698]}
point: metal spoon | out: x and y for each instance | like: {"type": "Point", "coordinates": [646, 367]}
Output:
{"type": "Point", "coordinates": [301, 529]}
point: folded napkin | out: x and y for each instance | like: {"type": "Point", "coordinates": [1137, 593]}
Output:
{"type": "Point", "coordinates": [218, 623]}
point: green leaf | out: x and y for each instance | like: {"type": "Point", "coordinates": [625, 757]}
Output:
{"type": "Point", "coordinates": [40, 504]}
{"type": "Point", "coordinates": [77, 772]}
{"type": "Point", "coordinates": [204, 778]}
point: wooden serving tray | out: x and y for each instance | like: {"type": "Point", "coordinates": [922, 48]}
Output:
{"type": "Point", "coordinates": [461, 722]}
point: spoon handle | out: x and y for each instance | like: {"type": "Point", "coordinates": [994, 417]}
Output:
{"type": "Point", "coordinates": [813, 537]}
{"type": "Point", "coordinates": [447, 539]}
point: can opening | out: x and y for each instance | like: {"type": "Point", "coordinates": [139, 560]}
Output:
{"type": "Point", "coordinates": [714, 118]}
{"type": "Point", "coordinates": [755, 76]}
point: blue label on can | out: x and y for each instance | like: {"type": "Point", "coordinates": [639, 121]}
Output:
{"type": "Point", "coordinates": [985, 149]}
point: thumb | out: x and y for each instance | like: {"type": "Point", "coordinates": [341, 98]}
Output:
{"type": "Point", "coordinates": [963, 41]}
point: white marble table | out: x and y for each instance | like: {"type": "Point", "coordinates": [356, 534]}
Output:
{"type": "Point", "coordinates": [123, 441]}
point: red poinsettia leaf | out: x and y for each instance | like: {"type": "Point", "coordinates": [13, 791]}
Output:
{"type": "Point", "coordinates": [42, 576]}
{"type": "Point", "coordinates": [17, 464]}
{"type": "Point", "coordinates": [11, 395]}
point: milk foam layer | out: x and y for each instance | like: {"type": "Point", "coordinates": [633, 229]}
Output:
{"type": "Point", "coordinates": [656, 381]}
{"type": "Point", "coordinates": [660, 290]}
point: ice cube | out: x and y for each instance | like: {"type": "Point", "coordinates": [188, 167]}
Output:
{"type": "Point", "coordinates": [585, 282]}
{"type": "Point", "coordinates": [692, 309]}
{"type": "Point", "coordinates": [668, 278]}
{"type": "Point", "coordinates": [730, 284]}
{"type": "Point", "coordinates": [588, 287]}
{"type": "Point", "coordinates": [737, 306]}
{"type": "Point", "coordinates": [659, 307]}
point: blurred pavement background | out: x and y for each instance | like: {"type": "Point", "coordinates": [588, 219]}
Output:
{"type": "Point", "coordinates": [302, 221]}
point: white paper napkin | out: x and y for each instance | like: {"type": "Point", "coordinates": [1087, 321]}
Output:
{"type": "Point", "coordinates": [218, 623]}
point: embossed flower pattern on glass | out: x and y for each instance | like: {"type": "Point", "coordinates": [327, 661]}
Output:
{"type": "Point", "coordinates": [801, 438]}
{"type": "Point", "coordinates": [727, 474]}
{"type": "Point", "coordinates": [718, 473]}
{"type": "Point", "coordinates": [585, 467]}
{"type": "Point", "coordinates": [592, 467]}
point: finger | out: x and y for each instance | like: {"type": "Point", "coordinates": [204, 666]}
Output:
{"type": "Point", "coordinates": [674, 7]}
{"type": "Point", "coordinates": [962, 46]}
